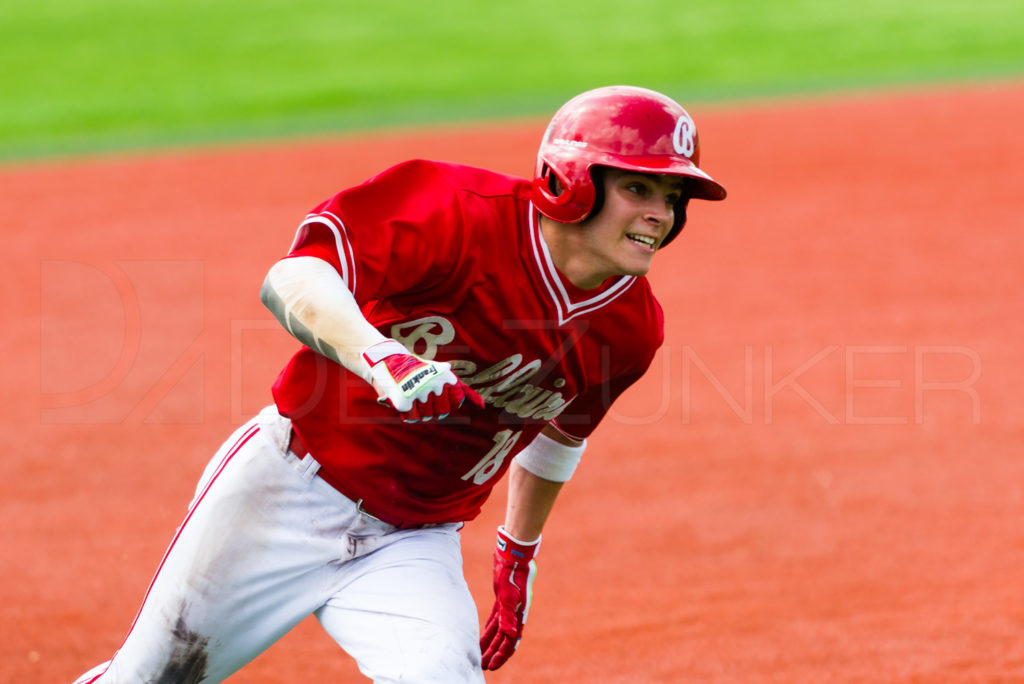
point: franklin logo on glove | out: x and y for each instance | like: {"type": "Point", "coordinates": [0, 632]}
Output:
{"type": "Point", "coordinates": [409, 385]}
{"type": "Point", "coordinates": [420, 390]}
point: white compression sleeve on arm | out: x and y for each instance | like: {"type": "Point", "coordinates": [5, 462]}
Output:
{"type": "Point", "coordinates": [550, 459]}
{"type": "Point", "coordinates": [312, 302]}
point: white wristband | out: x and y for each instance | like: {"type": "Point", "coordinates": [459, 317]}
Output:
{"type": "Point", "coordinates": [550, 459]}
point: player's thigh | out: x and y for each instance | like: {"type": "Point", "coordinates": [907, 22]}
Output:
{"type": "Point", "coordinates": [242, 569]}
{"type": "Point", "coordinates": [405, 612]}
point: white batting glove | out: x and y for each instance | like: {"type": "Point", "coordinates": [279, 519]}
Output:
{"type": "Point", "coordinates": [418, 389]}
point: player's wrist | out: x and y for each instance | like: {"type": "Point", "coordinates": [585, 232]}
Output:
{"type": "Point", "coordinates": [378, 351]}
{"type": "Point", "coordinates": [371, 357]}
{"type": "Point", "coordinates": [513, 549]}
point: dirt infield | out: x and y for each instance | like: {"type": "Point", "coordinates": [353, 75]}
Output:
{"type": "Point", "coordinates": [821, 478]}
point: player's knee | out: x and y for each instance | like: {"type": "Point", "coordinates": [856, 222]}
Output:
{"type": "Point", "coordinates": [450, 666]}
{"type": "Point", "coordinates": [442, 657]}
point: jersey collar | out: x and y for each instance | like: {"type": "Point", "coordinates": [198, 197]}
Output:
{"type": "Point", "coordinates": [568, 304]}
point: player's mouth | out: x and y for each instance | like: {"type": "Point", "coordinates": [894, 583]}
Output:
{"type": "Point", "coordinates": [642, 240]}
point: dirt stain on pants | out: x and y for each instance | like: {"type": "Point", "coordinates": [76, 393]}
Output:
{"type": "Point", "coordinates": [188, 661]}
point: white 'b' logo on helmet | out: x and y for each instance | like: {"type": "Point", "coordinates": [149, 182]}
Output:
{"type": "Point", "coordinates": [684, 138]}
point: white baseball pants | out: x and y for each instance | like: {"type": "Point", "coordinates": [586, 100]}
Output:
{"type": "Point", "coordinates": [266, 543]}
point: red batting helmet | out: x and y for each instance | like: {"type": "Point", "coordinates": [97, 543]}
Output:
{"type": "Point", "coordinates": [623, 127]}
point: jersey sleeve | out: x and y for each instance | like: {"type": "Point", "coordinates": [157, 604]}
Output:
{"type": "Point", "coordinates": [586, 411]}
{"type": "Point", "coordinates": [399, 232]}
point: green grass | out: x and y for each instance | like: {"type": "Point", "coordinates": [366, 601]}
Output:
{"type": "Point", "coordinates": [80, 75]}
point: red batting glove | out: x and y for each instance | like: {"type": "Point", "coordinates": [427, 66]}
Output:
{"type": "Point", "coordinates": [420, 390]}
{"type": "Point", "coordinates": [514, 570]}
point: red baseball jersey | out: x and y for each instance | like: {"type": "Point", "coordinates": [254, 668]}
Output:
{"type": "Point", "coordinates": [450, 261]}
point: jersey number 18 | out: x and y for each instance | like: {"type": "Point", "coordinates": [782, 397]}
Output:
{"type": "Point", "coordinates": [491, 462]}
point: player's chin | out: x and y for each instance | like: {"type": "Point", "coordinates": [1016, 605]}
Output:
{"type": "Point", "coordinates": [636, 265]}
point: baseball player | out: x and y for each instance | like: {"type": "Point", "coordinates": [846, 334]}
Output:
{"type": "Point", "coordinates": [457, 325]}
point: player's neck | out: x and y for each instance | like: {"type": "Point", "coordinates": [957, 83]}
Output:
{"type": "Point", "coordinates": [571, 262]}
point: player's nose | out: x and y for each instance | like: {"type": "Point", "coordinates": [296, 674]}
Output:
{"type": "Point", "coordinates": [659, 211]}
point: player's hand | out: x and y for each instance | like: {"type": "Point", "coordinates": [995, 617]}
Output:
{"type": "Point", "coordinates": [514, 569]}
{"type": "Point", "coordinates": [418, 389]}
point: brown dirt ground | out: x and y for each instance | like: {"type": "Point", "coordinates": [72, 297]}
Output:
{"type": "Point", "coordinates": [819, 480]}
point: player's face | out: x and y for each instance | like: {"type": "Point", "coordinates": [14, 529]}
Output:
{"type": "Point", "coordinates": [637, 215]}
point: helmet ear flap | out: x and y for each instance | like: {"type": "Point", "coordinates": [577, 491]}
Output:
{"type": "Point", "coordinates": [564, 199]}
{"type": "Point", "coordinates": [549, 187]}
